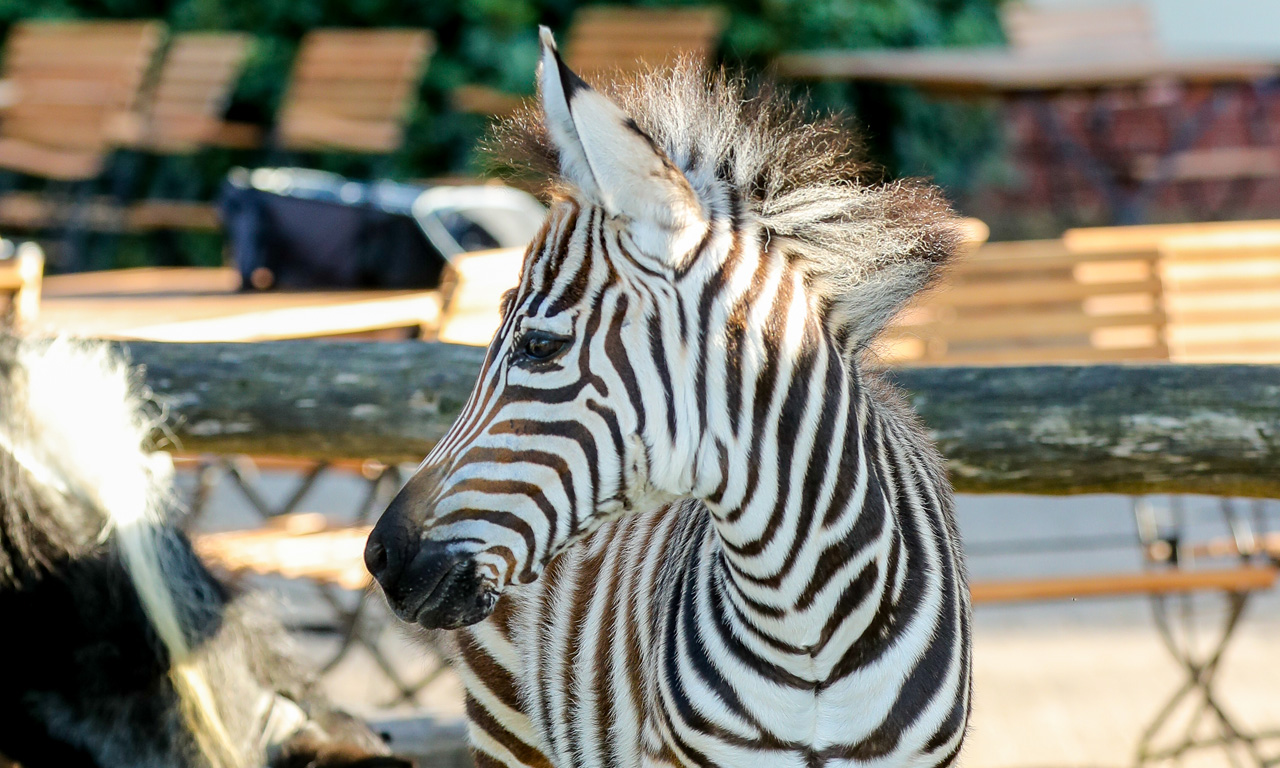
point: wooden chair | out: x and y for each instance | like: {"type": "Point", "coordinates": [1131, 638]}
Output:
{"type": "Point", "coordinates": [21, 270]}
{"type": "Point", "coordinates": [352, 90]}
{"type": "Point", "coordinates": [606, 41]}
{"type": "Point", "coordinates": [1036, 302]}
{"type": "Point", "coordinates": [67, 85]}
{"type": "Point", "coordinates": [182, 113]}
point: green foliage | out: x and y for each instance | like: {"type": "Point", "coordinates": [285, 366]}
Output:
{"type": "Point", "coordinates": [493, 42]}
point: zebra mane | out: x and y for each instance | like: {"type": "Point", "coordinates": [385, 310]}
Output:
{"type": "Point", "coordinates": [867, 246]}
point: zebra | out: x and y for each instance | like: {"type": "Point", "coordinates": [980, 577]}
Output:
{"type": "Point", "coordinates": [680, 521]}
{"type": "Point", "coordinates": [119, 648]}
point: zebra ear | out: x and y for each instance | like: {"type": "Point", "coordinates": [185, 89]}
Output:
{"type": "Point", "coordinates": [608, 158]}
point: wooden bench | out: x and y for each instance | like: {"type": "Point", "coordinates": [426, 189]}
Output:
{"type": "Point", "coordinates": [296, 546]}
{"type": "Point", "coordinates": [1144, 584]}
{"type": "Point", "coordinates": [68, 84]}
{"type": "Point", "coordinates": [608, 41]}
{"type": "Point", "coordinates": [352, 90]}
{"type": "Point", "coordinates": [1222, 297]}
{"type": "Point", "coordinates": [1220, 284]}
{"type": "Point", "coordinates": [182, 113]}
{"type": "Point", "coordinates": [1035, 302]}
{"type": "Point", "coordinates": [21, 271]}
{"type": "Point", "coordinates": [1183, 292]}
{"type": "Point", "coordinates": [205, 304]}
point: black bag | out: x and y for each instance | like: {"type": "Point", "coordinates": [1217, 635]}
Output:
{"type": "Point", "coordinates": [298, 228]}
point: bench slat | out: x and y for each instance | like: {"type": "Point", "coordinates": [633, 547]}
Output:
{"type": "Point", "coordinates": [1244, 579]}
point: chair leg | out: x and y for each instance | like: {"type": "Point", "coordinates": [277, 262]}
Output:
{"type": "Point", "coordinates": [1201, 671]}
{"type": "Point", "coordinates": [354, 626]}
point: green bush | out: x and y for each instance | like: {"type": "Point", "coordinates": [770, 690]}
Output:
{"type": "Point", "coordinates": [494, 42]}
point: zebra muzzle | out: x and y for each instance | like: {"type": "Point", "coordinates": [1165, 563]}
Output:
{"type": "Point", "coordinates": [427, 584]}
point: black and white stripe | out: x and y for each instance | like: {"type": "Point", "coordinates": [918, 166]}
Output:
{"type": "Point", "coordinates": [717, 539]}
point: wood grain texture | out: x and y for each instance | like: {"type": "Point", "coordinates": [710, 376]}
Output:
{"type": "Point", "coordinates": [1212, 429]}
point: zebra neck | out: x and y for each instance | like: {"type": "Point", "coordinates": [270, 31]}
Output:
{"type": "Point", "coordinates": [806, 544]}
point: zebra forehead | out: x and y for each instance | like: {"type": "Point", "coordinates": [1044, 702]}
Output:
{"type": "Point", "coordinates": [572, 261]}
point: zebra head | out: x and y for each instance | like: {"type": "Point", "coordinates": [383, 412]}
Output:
{"type": "Point", "coordinates": [658, 281]}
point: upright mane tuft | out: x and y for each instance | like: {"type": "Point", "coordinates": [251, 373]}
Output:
{"type": "Point", "coordinates": [866, 245]}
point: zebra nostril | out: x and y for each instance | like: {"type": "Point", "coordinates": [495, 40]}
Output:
{"type": "Point", "coordinates": [375, 556]}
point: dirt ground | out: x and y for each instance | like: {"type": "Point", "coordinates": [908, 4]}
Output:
{"type": "Point", "coordinates": [1072, 684]}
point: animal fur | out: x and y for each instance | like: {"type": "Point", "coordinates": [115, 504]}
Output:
{"type": "Point", "coordinates": [867, 246]}
{"type": "Point", "coordinates": [119, 648]}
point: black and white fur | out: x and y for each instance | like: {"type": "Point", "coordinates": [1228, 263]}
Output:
{"type": "Point", "coordinates": [118, 648]}
{"type": "Point", "coordinates": [680, 521]}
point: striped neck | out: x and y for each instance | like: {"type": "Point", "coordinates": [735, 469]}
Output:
{"type": "Point", "coordinates": [799, 509]}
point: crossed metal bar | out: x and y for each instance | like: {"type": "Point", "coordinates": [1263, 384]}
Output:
{"type": "Point", "coordinates": [1176, 619]}
{"type": "Point", "coordinates": [355, 625]}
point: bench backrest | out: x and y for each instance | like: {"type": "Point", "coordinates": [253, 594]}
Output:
{"type": "Point", "coordinates": [21, 271]}
{"type": "Point", "coordinates": [1071, 30]}
{"type": "Point", "coordinates": [353, 90]}
{"type": "Point", "coordinates": [71, 80]}
{"type": "Point", "coordinates": [1146, 237]}
{"type": "Point", "coordinates": [605, 40]}
{"type": "Point", "coordinates": [190, 94]}
{"type": "Point", "coordinates": [1222, 297]}
{"type": "Point", "coordinates": [1035, 302]}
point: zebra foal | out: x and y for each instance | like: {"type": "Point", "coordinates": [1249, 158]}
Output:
{"type": "Point", "coordinates": [677, 523]}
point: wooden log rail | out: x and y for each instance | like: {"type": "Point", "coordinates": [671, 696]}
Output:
{"type": "Point", "coordinates": [1211, 429]}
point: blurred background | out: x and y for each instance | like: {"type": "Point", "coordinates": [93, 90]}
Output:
{"type": "Point", "coordinates": [236, 170]}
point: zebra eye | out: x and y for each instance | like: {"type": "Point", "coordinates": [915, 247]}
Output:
{"type": "Point", "coordinates": [539, 345]}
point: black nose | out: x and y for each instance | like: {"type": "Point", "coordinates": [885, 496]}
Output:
{"type": "Point", "coordinates": [389, 549]}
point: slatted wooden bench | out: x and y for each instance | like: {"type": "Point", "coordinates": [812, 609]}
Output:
{"type": "Point", "coordinates": [608, 41]}
{"type": "Point", "coordinates": [21, 271]}
{"type": "Point", "coordinates": [205, 304]}
{"type": "Point", "coordinates": [1222, 297]}
{"type": "Point", "coordinates": [69, 82]}
{"type": "Point", "coordinates": [352, 90]}
{"type": "Point", "coordinates": [1183, 292]}
{"type": "Point", "coordinates": [182, 113]}
{"type": "Point", "coordinates": [1036, 302]}
{"type": "Point", "coordinates": [1220, 284]}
